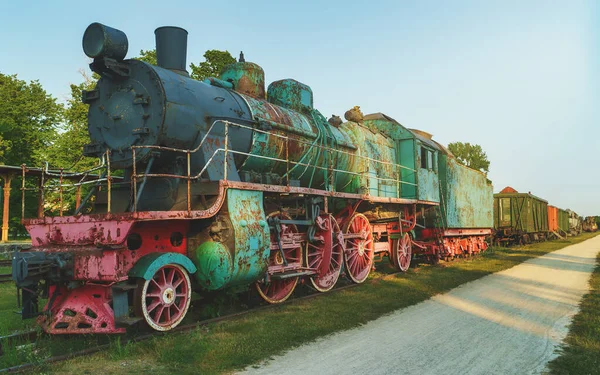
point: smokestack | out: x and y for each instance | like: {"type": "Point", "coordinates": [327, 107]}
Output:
{"type": "Point", "coordinates": [171, 48]}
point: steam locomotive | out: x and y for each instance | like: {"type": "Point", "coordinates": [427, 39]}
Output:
{"type": "Point", "coordinates": [223, 184]}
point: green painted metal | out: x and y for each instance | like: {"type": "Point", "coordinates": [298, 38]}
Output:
{"type": "Point", "coordinates": [247, 78]}
{"type": "Point", "coordinates": [147, 266]}
{"type": "Point", "coordinates": [427, 172]}
{"type": "Point", "coordinates": [467, 195]}
{"type": "Point", "coordinates": [246, 260]}
{"type": "Point", "coordinates": [213, 260]}
{"type": "Point", "coordinates": [563, 220]}
{"type": "Point", "coordinates": [407, 157]}
{"type": "Point", "coordinates": [308, 135]}
{"type": "Point", "coordinates": [289, 93]}
{"type": "Point", "coordinates": [520, 212]}
{"type": "Point", "coordinates": [252, 237]}
{"type": "Point", "coordinates": [376, 147]}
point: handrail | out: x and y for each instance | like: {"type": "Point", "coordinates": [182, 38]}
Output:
{"type": "Point", "coordinates": [48, 176]}
{"type": "Point", "coordinates": [226, 151]}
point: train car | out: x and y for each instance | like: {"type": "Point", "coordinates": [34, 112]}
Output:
{"type": "Point", "coordinates": [224, 185]}
{"type": "Point", "coordinates": [563, 221]}
{"type": "Point", "coordinates": [520, 218]}
{"type": "Point", "coordinates": [464, 220]}
{"type": "Point", "coordinates": [552, 219]}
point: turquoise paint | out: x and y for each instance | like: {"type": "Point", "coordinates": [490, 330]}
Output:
{"type": "Point", "coordinates": [147, 266]}
{"type": "Point", "coordinates": [213, 260]}
{"type": "Point", "coordinates": [306, 136]}
{"type": "Point", "coordinates": [467, 195]}
{"type": "Point", "coordinates": [246, 78]}
{"type": "Point", "coordinates": [291, 94]}
{"type": "Point", "coordinates": [428, 179]}
{"type": "Point", "coordinates": [406, 155]}
{"type": "Point", "coordinates": [252, 241]}
{"type": "Point", "coordinates": [222, 267]}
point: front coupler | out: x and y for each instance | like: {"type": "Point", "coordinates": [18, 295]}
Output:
{"type": "Point", "coordinates": [30, 268]}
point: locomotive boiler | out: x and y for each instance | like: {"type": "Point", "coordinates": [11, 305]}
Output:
{"type": "Point", "coordinates": [224, 184]}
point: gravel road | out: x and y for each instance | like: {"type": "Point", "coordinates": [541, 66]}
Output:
{"type": "Point", "coordinates": [510, 322]}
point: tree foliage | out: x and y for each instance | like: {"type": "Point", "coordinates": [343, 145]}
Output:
{"type": "Point", "coordinates": [470, 155]}
{"type": "Point", "coordinates": [215, 61]}
{"type": "Point", "coordinates": [67, 149]}
{"type": "Point", "coordinates": [148, 56]}
{"type": "Point", "coordinates": [29, 119]}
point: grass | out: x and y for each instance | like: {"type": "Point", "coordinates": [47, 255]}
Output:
{"type": "Point", "coordinates": [580, 353]}
{"type": "Point", "coordinates": [225, 347]}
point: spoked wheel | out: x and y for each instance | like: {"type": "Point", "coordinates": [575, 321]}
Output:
{"type": "Point", "coordinates": [278, 290]}
{"type": "Point", "coordinates": [326, 253]}
{"type": "Point", "coordinates": [401, 252]}
{"type": "Point", "coordinates": [358, 255]}
{"type": "Point", "coordinates": [164, 300]}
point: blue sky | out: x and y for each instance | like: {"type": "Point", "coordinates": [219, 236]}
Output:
{"type": "Point", "coordinates": [520, 78]}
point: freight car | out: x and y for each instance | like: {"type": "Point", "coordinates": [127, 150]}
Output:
{"type": "Point", "coordinates": [520, 218]}
{"type": "Point", "coordinates": [563, 221]}
{"type": "Point", "coordinates": [553, 221]}
{"type": "Point", "coordinates": [225, 185]}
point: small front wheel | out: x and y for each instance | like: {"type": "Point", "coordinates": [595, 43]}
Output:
{"type": "Point", "coordinates": [164, 299]}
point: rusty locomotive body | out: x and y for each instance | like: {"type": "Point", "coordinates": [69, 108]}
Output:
{"type": "Point", "coordinates": [224, 184]}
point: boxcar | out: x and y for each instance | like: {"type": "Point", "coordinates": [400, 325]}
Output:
{"type": "Point", "coordinates": [552, 219]}
{"type": "Point", "coordinates": [563, 221]}
{"type": "Point", "coordinates": [520, 217]}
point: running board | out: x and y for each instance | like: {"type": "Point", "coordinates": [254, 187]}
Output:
{"type": "Point", "coordinates": [288, 275]}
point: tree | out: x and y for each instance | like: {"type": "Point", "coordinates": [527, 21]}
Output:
{"type": "Point", "coordinates": [470, 155]}
{"type": "Point", "coordinates": [29, 119]}
{"type": "Point", "coordinates": [215, 62]}
{"type": "Point", "coordinates": [67, 149]}
{"type": "Point", "coordinates": [148, 56]}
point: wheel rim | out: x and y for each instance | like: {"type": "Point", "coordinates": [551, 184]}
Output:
{"type": "Point", "coordinates": [279, 290]}
{"type": "Point", "coordinates": [165, 298]}
{"type": "Point", "coordinates": [327, 261]}
{"type": "Point", "coordinates": [403, 252]}
{"type": "Point", "coordinates": [358, 255]}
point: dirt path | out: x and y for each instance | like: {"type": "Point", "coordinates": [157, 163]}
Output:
{"type": "Point", "coordinates": [506, 323]}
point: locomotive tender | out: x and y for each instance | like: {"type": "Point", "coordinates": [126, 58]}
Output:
{"type": "Point", "coordinates": [225, 185]}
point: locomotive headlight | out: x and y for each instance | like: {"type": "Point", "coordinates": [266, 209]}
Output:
{"type": "Point", "coordinates": [102, 41]}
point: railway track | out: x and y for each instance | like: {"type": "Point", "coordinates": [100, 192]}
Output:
{"type": "Point", "coordinates": [32, 336]}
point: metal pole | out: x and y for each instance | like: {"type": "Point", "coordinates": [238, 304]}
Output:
{"type": "Point", "coordinates": [226, 149]}
{"type": "Point", "coordinates": [189, 181]}
{"type": "Point", "coordinates": [108, 182]}
{"type": "Point", "coordinates": [134, 180]}
{"type": "Point", "coordinates": [7, 180]}
{"type": "Point", "coordinates": [23, 192]}
{"type": "Point", "coordinates": [78, 196]}
{"type": "Point", "coordinates": [41, 196]}
{"type": "Point", "coordinates": [60, 210]}
{"type": "Point", "coordinates": [287, 160]}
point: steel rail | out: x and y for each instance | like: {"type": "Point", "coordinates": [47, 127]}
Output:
{"type": "Point", "coordinates": [182, 328]}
